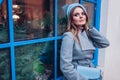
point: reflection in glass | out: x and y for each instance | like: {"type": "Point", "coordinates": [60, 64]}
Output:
{"type": "Point", "coordinates": [91, 11]}
{"type": "Point", "coordinates": [35, 62]}
{"type": "Point", "coordinates": [32, 18]}
{"type": "Point", "coordinates": [59, 73]}
{"type": "Point", "coordinates": [3, 22]}
{"type": "Point", "coordinates": [62, 19]}
{"type": "Point", "coordinates": [4, 64]}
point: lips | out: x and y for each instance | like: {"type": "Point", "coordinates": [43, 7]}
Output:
{"type": "Point", "coordinates": [81, 20]}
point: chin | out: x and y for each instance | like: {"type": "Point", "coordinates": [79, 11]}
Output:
{"type": "Point", "coordinates": [82, 24]}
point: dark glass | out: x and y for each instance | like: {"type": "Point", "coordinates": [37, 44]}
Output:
{"type": "Point", "coordinates": [62, 19]}
{"type": "Point", "coordinates": [59, 73]}
{"type": "Point", "coordinates": [35, 62]}
{"type": "Point", "coordinates": [4, 64]}
{"type": "Point", "coordinates": [3, 22]}
{"type": "Point", "coordinates": [90, 7]}
{"type": "Point", "coordinates": [32, 19]}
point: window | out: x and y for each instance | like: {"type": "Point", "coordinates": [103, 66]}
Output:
{"type": "Point", "coordinates": [30, 39]}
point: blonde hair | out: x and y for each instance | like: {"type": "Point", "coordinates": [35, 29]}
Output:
{"type": "Point", "coordinates": [71, 27]}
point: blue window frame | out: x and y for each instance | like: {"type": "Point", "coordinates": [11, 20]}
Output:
{"type": "Point", "coordinates": [12, 44]}
{"type": "Point", "coordinates": [96, 21]}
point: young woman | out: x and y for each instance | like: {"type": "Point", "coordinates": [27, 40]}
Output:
{"type": "Point", "coordinates": [79, 42]}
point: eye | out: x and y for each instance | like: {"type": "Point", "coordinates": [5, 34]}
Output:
{"type": "Point", "coordinates": [83, 13]}
{"type": "Point", "coordinates": [76, 14]}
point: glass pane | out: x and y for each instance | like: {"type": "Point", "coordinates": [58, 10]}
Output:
{"type": "Point", "coordinates": [62, 20]}
{"type": "Point", "coordinates": [59, 73]}
{"type": "Point", "coordinates": [32, 18]}
{"type": "Point", "coordinates": [35, 62]}
{"type": "Point", "coordinates": [3, 22]}
{"type": "Point", "coordinates": [91, 11]}
{"type": "Point", "coordinates": [4, 64]}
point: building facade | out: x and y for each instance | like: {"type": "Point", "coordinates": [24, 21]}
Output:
{"type": "Point", "coordinates": [30, 37]}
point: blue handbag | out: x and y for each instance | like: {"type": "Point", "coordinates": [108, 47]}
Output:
{"type": "Point", "coordinates": [89, 72]}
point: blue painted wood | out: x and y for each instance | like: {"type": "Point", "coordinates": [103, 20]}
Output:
{"type": "Point", "coordinates": [5, 45]}
{"type": "Point", "coordinates": [91, 1]}
{"type": "Point", "coordinates": [97, 25]}
{"type": "Point", "coordinates": [60, 78]}
{"type": "Point", "coordinates": [1, 2]}
{"type": "Point", "coordinates": [11, 34]}
{"type": "Point", "coordinates": [55, 42]}
{"type": "Point", "coordinates": [97, 4]}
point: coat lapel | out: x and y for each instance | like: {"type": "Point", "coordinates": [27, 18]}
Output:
{"type": "Point", "coordinates": [86, 44]}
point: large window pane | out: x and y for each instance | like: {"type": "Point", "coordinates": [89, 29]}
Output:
{"type": "Point", "coordinates": [62, 20]}
{"type": "Point", "coordinates": [3, 22]}
{"type": "Point", "coordinates": [35, 62]}
{"type": "Point", "coordinates": [32, 18]}
{"type": "Point", "coordinates": [4, 64]}
{"type": "Point", "coordinates": [91, 11]}
{"type": "Point", "coordinates": [59, 73]}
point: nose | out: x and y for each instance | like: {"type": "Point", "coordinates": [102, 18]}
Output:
{"type": "Point", "coordinates": [80, 16]}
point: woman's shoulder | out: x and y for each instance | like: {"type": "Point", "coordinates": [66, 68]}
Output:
{"type": "Point", "coordinates": [69, 34]}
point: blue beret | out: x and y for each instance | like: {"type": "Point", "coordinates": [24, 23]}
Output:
{"type": "Point", "coordinates": [68, 8]}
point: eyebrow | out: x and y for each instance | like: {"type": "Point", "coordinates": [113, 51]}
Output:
{"type": "Point", "coordinates": [78, 12]}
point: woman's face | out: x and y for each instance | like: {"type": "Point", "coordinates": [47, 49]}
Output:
{"type": "Point", "coordinates": [78, 17]}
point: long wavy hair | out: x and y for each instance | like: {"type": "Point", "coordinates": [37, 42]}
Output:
{"type": "Point", "coordinates": [71, 27]}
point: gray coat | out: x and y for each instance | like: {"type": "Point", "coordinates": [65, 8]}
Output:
{"type": "Point", "coordinates": [72, 53]}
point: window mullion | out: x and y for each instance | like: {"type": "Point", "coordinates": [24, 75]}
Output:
{"type": "Point", "coordinates": [55, 42]}
{"type": "Point", "coordinates": [11, 35]}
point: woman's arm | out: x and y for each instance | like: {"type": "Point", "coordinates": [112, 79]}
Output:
{"type": "Point", "coordinates": [97, 38]}
{"type": "Point", "coordinates": [66, 56]}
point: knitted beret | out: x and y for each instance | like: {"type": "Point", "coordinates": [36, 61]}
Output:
{"type": "Point", "coordinates": [68, 8]}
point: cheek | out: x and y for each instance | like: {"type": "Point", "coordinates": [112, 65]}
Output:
{"type": "Point", "coordinates": [85, 21]}
{"type": "Point", "coordinates": [75, 20]}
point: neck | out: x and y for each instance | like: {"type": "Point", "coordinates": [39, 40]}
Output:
{"type": "Point", "coordinates": [80, 28]}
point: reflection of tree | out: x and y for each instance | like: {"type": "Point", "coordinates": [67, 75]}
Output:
{"type": "Point", "coordinates": [47, 55]}
{"type": "Point", "coordinates": [39, 28]}
{"type": "Point", "coordinates": [3, 32]}
{"type": "Point", "coordinates": [62, 24]}
{"type": "Point", "coordinates": [27, 61]}
{"type": "Point", "coordinates": [4, 64]}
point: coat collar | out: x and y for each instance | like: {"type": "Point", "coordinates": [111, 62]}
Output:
{"type": "Point", "coordinates": [85, 42]}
